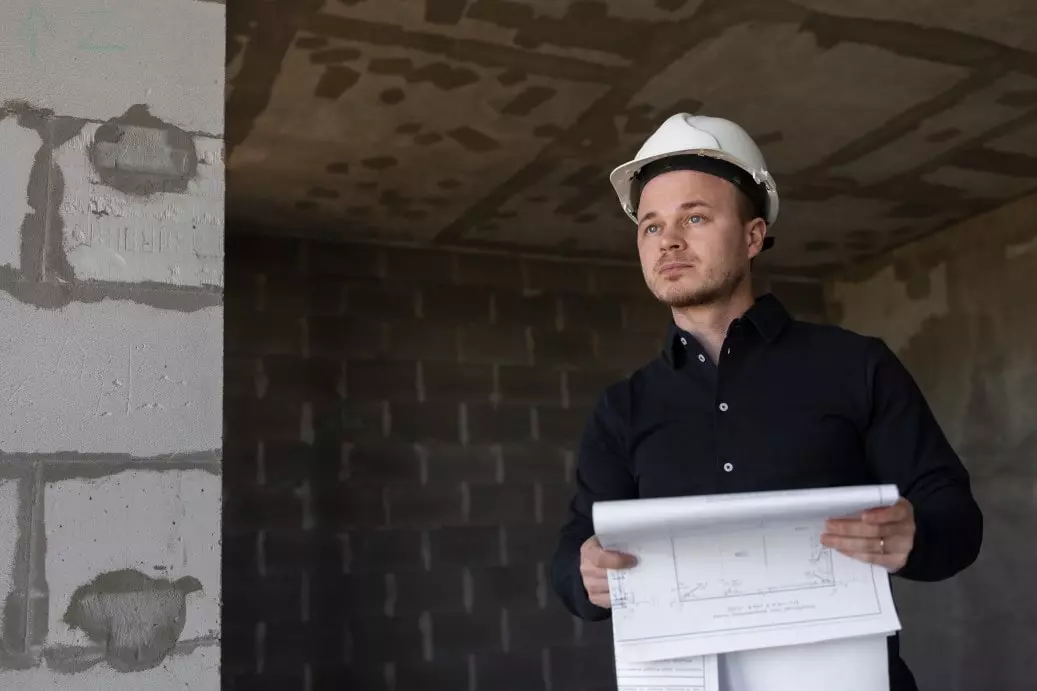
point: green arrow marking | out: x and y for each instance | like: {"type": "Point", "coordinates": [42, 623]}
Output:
{"type": "Point", "coordinates": [30, 27]}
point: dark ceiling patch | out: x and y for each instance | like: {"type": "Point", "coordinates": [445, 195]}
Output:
{"type": "Point", "coordinates": [529, 100]}
{"type": "Point", "coordinates": [428, 139]}
{"type": "Point", "coordinates": [358, 211]}
{"type": "Point", "coordinates": [444, 11]}
{"type": "Point", "coordinates": [536, 198]}
{"type": "Point", "coordinates": [444, 76]}
{"type": "Point", "coordinates": [391, 199]}
{"type": "Point", "coordinates": [390, 66]}
{"type": "Point", "coordinates": [333, 55]}
{"type": "Point", "coordinates": [409, 128]}
{"type": "Point", "coordinates": [367, 185]}
{"type": "Point", "coordinates": [391, 97]}
{"type": "Point", "coordinates": [322, 193]}
{"type": "Point", "coordinates": [769, 138]}
{"type": "Point", "coordinates": [438, 74]}
{"type": "Point", "coordinates": [379, 162]}
{"type": "Point", "coordinates": [1019, 99]}
{"type": "Point", "coordinates": [583, 176]}
{"type": "Point", "coordinates": [448, 184]}
{"type": "Point", "coordinates": [473, 140]}
{"type": "Point", "coordinates": [336, 80]}
{"type": "Point", "coordinates": [548, 131]}
{"type": "Point", "coordinates": [670, 5]}
{"type": "Point", "coordinates": [994, 161]}
{"type": "Point", "coordinates": [586, 24]}
{"type": "Point", "coordinates": [311, 42]}
{"type": "Point", "coordinates": [437, 202]}
{"type": "Point", "coordinates": [338, 168]}
{"type": "Point", "coordinates": [141, 155]}
{"type": "Point", "coordinates": [305, 205]}
{"type": "Point", "coordinates": [943, 135]}
{"type": "Point", "coordinates": [511, 77]}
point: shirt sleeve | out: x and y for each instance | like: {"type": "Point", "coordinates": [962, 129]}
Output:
{"type": "Point", "coordinates": [905, 445]}
{"type": "Point", "coordinates": [602, 473]}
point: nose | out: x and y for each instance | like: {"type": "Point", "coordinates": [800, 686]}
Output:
{"type": "Point", "coordinates": [672, 239]}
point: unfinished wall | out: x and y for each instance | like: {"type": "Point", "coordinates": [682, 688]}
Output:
{"type": "Point", "coordinates": [408, 548]}
{"type": "Point", "coordinates": [111, 273]}
{"type": "Point", "coordinates": [959, 309]}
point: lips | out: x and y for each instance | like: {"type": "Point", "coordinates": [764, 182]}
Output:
{"type": "Point", "coordinates": [672, 267]}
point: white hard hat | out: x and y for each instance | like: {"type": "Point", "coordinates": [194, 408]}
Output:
{"type": "Point", "coordinates": [698, 142]}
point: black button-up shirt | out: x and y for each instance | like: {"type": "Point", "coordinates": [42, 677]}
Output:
{"type": "Point", "coordinates": [789, 405]}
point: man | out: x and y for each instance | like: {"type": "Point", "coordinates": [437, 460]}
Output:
{"type": "Point", "coordinates": [744, 398]}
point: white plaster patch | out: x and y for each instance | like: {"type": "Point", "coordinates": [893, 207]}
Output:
{"type": "Point", "coordinates": [94, 59]}
{"type": "Point", "coordinates": [880, 305]}
{"type": "Point", "coordinates": [18, 149]}
{"type": "Point", "coordinates": [197, 671]}
{"type": "Point", "coordinates": [113, 376]}
{"type": "Point", "coordinates": [165, 525]}
{"type": "Point", "coordinates": [166, 238]}
{"type": "Point", "coordinates": [8, 537]}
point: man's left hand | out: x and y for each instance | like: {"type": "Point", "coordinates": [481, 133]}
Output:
{"type": "Point", "coordinates": [880, 536]}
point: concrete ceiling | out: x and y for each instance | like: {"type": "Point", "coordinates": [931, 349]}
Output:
{"type": "Point", "coordinates": [494, 123]}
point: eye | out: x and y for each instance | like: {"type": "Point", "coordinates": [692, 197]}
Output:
{"type": "Point", "coordinates": [695, 219]}
{"type": "Point", "coordinates": [651, 228]}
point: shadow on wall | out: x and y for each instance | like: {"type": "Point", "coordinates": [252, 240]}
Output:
{"type": "Point", "coordinates": [134, 620]}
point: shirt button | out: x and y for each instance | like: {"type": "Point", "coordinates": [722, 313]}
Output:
{"type": "Point", "coordinates": [702, 358]}
{"type": "Point", "coordinates": [723, 407]}
{"type": "Point", "coordinates": [728, 467]}
{"type": "Point", "coordinates": [684, 341]}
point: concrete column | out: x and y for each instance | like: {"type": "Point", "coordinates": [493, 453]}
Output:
{"type": "Point", "coordinates": [111, 343]}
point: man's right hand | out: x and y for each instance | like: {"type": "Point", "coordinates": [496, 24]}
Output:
{"type": "Point", "coordinates": [594, 560]}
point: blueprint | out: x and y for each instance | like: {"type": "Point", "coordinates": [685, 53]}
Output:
{"type": "Point", "coordinates": [693, 674]}
{"type": "Point", "coordinates": [731, 573]}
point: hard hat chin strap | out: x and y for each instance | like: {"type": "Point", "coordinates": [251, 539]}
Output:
{"type": "Point", "coordinates": [703, 164]}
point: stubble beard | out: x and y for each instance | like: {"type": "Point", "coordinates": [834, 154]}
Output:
{"type": "Point", "coordinates": [715, 289]}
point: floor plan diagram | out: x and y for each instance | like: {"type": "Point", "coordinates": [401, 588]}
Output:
{"type": "Point", "coordinates": [750, 562]}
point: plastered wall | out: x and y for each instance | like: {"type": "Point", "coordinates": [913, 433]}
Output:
{"type": "Point", "coordinates": [960, 308]}
{"type": "Point", "coordinates": [111, 346]}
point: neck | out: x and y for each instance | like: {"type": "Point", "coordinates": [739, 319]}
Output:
{"type": "Point", "coordinates": [709, 323]}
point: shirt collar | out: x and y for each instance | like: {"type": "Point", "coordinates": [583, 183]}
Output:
{"type": "Point", "coordinates": [767, 315]}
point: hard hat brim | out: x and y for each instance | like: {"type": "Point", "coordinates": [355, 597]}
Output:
{"type": "Point", "coordinates": [622, 176]}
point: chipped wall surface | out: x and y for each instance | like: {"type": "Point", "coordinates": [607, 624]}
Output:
{"type": "Point", "coordinates": [111, 273]}
{"type": "Point", "coordinates": [959, 310]}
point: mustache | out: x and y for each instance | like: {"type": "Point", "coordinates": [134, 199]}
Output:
{"type": "Point", "coordinates": [675, 259]}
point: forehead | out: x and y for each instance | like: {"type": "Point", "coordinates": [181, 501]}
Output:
{"type": "Point", "coordinates": [668, 191]}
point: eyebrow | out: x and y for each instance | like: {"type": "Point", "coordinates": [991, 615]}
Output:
{"type": "Point", "coordinates": [686, 206]}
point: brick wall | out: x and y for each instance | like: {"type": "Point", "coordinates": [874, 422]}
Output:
{"type": "Point", "coordinates": [401, 428]}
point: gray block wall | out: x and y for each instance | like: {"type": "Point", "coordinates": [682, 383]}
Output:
{"type": "Point", "coordinates": [408, 548]}
{"type": "Point", "coordinates": [111, 274]}
{"type": "Point", "coordinates": [959, 310]}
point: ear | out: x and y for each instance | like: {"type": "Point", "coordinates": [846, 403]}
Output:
{"type": "Point", "coordinates": [755, 234]}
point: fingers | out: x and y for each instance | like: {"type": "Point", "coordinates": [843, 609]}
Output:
{"type": "Point", "coordinates": [899, 512]}
{"type": "Point", "coordinates": [858, 528]}
{"type": "Point", "coordinates": [595, 562]}
{"type": "Point", "coordinates": [593, 553]}
{"type": "Point", "coordinates": [890, 552]}
{"type": "Point", "coordinates": [894, 544]}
